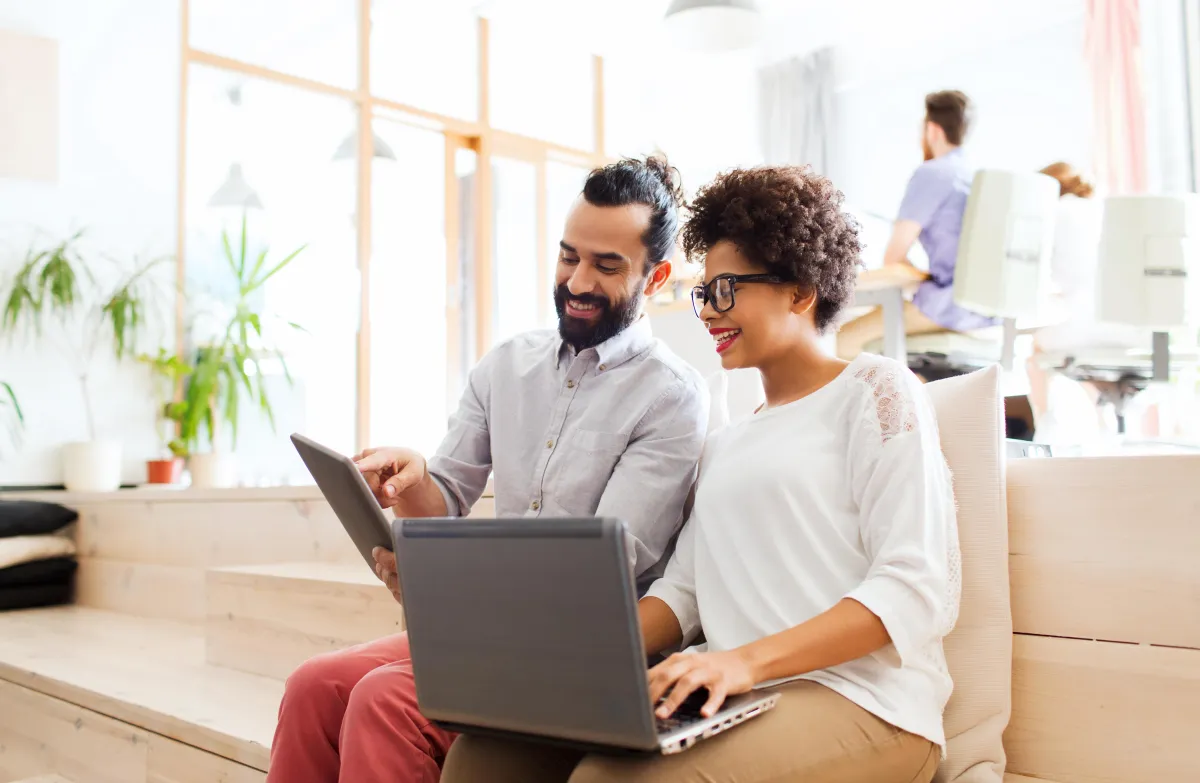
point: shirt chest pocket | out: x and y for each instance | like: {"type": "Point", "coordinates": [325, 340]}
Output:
{"type": "Point", "coordinates": [581, 468]}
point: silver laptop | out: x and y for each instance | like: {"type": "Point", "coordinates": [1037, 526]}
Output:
{"type": "Point", "coordinates": [529, 629]}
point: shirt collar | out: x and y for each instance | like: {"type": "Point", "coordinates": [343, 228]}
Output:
{"type": "Point", "coordinates": [619, 348]}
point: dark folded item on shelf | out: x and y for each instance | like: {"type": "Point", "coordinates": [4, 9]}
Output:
{"type": "Point", "coordinates": [33, 596]}
{"type": "Point", "coordinates": [52, 571]}
{"type": "Point", "coordinates": [33, 518]}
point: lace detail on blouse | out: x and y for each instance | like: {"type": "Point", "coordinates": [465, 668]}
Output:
{"type": "Point", "coordinates": [896, 412]}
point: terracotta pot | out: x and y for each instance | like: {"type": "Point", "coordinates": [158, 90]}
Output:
{"type": "Point", "coordinates": [164, 471]}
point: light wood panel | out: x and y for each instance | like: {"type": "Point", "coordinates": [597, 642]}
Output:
{"type": "Point", "coordinates": [1103, 712]}
{"type": "Point", "coordinates": [169, 761]}
{"type": "Point", "coordinates": [142, 589]}
{"type": "Point", "coordinates": [147, 673]}
{"type": "Point", "coordinates": [208, 534]}
{"type": "Point", "coordinates": [268, 620]}
{"type": "Point", "coordinates": [1010, 778]}
{"type": "Point", "coordinates": [1106, 548]}
{"type": "Point", "coordinates": [40, 734]}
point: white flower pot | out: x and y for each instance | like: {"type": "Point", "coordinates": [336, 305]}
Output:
{"type": "Point", "coordinates": [213, 469]}
{"type": "Point", "coordinates": [93, 466]}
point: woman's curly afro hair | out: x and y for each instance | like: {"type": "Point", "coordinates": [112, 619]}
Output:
{"type": "Point", "coordinates": [789, 221]}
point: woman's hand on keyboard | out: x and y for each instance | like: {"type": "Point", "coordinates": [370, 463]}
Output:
{"type": "Point", "coordinates": [722, 673]}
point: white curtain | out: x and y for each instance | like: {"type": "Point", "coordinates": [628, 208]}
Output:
{"type": "Point", "coordinates": [795, 110]}
{"type": "Point", "coordinates": [1168, 123]}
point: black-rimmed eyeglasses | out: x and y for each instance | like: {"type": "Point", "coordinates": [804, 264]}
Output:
{"type": "Point", "coordinates": [719, 291]}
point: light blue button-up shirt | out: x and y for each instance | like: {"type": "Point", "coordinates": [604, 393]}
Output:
{"type": "Point", "coordinates": [612, 431]}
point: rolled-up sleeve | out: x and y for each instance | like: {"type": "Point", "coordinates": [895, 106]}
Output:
{"type": "Point", "coordinates": [463, 461]}
{"type": "Point", "coordinates": [650, 483]}
{"type": "Point", "coordinates": [909, 530]}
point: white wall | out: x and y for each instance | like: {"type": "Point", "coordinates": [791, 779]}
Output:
{"type": "Point", "coordinates": [119, 104]}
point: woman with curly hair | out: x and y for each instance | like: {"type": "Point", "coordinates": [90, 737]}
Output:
{"type": "Point", "coordinates": [821, 556]}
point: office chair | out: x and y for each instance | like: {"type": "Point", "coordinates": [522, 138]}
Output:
{"type": "Point", "coordinates": [1003, 256]}
{"type": "Point", "coordinates": [1147, 298]}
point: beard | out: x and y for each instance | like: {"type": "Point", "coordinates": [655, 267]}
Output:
{"type": "Point", "coordinates": [613, 319]}
{"type": "Point", "coordinates": [926, 150]}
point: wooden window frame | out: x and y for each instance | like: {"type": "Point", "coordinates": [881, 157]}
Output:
{"type": "Point", "coordinates": [478, 135]}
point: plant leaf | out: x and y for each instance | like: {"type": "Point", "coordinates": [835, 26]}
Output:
{"type": "Point", "coordinates": [12, 397]}
{"type": "Point", "coordinates": [254, 284]}
{"type": "Point", "coordinates": [229, 253]}
{"type": "Point", "coordinates": [242, 257]}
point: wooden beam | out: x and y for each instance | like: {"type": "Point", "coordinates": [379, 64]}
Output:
{"type": "Point", "coordinates": [454, 282]}
{"type": "Point", "coordinates": [598, 104]}
{"type": "Point", "coordinates": [181, 200]}
{"type": "Point", "coordinates": [268, 74]}
{"type": "Point", "coordinates": [528, 148]}
{"type": "Point", "coordinates": [411, 115]}
{"type": "Point", "coordinates": [543, 254]}
{"type": "Point", "coordinates": [362, 222]}
{"type": "Point", "coordinates": [484, 202]}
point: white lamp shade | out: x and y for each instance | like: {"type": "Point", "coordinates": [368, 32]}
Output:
{"type": "Point", "coordinates": [235, 191]}
{"type": "Point", "coordinates": [1006, 242]}
{"type": "Point", "coordinates": [714, 25]}
{"type": "Point", "coordinates": [1149, 265]}
{"type": "Point", "coordinates": [348, 149]}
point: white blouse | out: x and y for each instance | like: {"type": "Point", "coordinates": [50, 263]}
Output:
{"type": "Point", "coordinates": [843, 493]}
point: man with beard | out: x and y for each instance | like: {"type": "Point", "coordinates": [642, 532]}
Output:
{"type": "Point", "coordinates": [599, 418]}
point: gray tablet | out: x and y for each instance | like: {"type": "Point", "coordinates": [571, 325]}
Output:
{"type": "Point", "coordinates": [347, 492]}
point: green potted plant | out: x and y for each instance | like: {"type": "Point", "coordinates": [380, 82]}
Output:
{"type": "Point", "coordinates": [228, 367]}
{"type": "Point", "coordinates": [87, 306]}
{"type": "Point", "coordinates": [167, 371]}
{"type": "Point", "coordinates": [10, 409]}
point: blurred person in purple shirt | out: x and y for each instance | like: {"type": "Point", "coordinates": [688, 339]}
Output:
{"type": "Point", "coordinates": [932, 212]}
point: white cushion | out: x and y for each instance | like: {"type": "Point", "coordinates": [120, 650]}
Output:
{"type": "Point", "coordinates": [26, 549]}
{"type": "Point", "coordinates": [718, 391]}
{"type": "Point", "coordinates": [970, 415]}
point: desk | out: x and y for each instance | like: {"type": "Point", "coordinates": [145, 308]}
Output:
{"type": "Point", "coordinates": [885, 288]}
{"type": "Point", "coordinates": [890, 300]}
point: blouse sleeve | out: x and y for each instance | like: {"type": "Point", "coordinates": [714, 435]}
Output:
{"type": "Point", "coordinates": [677, 586]}
{"type": "Point", "coordinates": [906, 504]}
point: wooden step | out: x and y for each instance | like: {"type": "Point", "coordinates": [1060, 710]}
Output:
{"type": "Point", "coordinates": [147, 676]}
{"type": "Point", "coordinates": [51, 778]}
{"type": "Point", "coordinates": [268, 619]}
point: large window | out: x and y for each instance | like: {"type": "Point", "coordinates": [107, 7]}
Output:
{"type": "Point", "coordinates": [264, 152]}
{"type": "Point", "coordinates": [426, 164]}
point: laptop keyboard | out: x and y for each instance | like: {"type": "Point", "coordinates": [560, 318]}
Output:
{"type": "Point", "coordinates": [686, 714]}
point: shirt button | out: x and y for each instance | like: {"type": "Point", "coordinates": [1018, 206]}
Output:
{"type": "Point", "coordinates": [549, 444]}
{"type": "Point", "coordinates": [535, 505]}
{"type": "Point", "coordinates": [570, 384]}
{"type": "Point", "coordinates": [602, 368]}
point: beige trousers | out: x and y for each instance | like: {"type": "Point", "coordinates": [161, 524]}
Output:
{"type": "Point", "coordinates": [813, 735]}
{"type": "Point", "coordinates": [854, 335]}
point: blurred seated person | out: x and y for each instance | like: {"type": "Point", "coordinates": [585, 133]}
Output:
{"type": "Point", "coordinates": [932, 211]}
{"type": "Point", "coordinates": [1064, 410]}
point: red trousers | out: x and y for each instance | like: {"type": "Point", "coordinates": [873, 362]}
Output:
{"type": "Point", "coordinates": [352, 716]}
